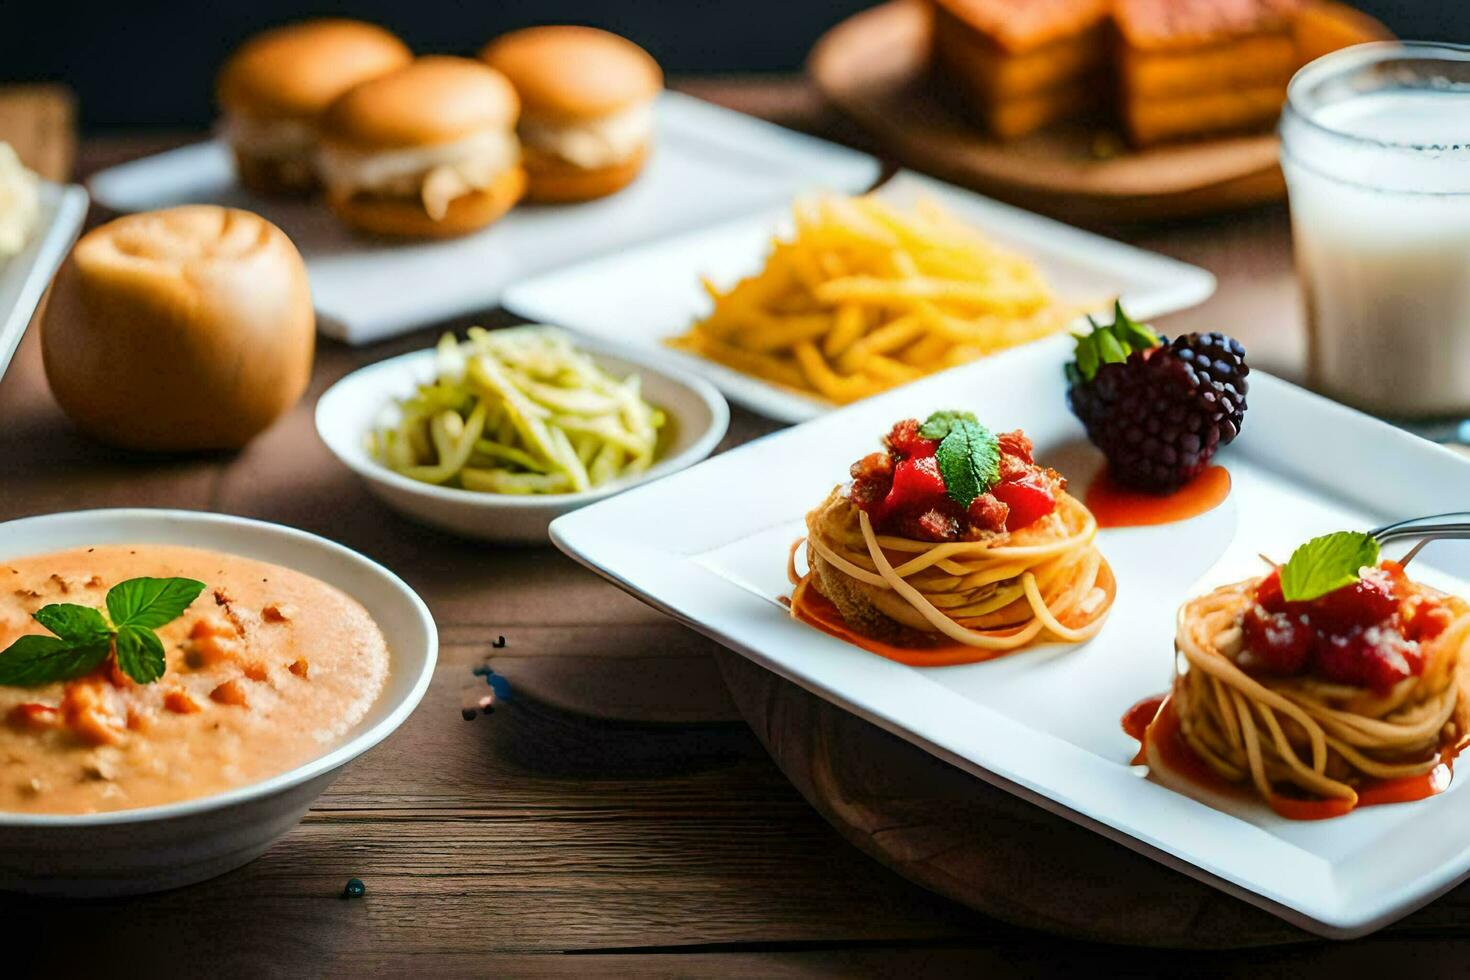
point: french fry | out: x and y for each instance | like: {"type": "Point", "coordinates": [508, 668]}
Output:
{"type": "Point", "coordinates": [847, 327]}
{"type": "Point", "coordinates": [822, 378]}
{"type": "Point", "coordinates": [927, 351]}
{"type": "Point", "coordinates": [783, 372]}
{"type": "Point", "coordinates": [864, 296]}
{"type": "Point", "coordinates": [889, 337]}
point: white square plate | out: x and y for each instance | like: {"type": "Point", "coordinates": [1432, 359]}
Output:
{"type": "Point", "coordinates": [646, 295]}
{"type": "Point", "coordinates": [708, 164]}
{"type": "Point", "coordinates": [1045, 723]}
{"type": "Point", "coordinates": [25, 276]}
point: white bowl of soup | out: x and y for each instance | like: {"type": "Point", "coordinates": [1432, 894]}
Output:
{"type": "Point", "coordinates": [297, 656]}
{"type": "Point", "coordinates": [695, 419]}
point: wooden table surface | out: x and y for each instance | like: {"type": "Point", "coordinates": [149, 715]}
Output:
{"type": "Point", "coordinates": [536, 841]}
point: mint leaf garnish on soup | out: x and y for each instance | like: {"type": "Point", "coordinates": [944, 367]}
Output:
{"type": "Point", "coordinates": [83, 637]}
{"type": "Point", "coordinates": [1327, 563]}
{"type": "Point", "coordinates": [74, 623]}
{"type": "Point", "coordinates": [151, 602]}
{"type": "Point", "coordinates": [36, 659]}
{"type": "Point", "coordinates": [139, 653]}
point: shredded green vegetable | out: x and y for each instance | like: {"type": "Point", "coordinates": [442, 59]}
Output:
{"type": "Point", "coordinates": [520, 411]}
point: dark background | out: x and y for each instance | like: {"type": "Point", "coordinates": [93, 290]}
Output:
{"type": "Point", "coordinates": [148, 63]}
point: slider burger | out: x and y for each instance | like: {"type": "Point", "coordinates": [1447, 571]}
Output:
{"type": "Point", "coordinates": [427, 151]}
{"type": "Point", "coordinates": [586, 108]}
{"type": "Point", "coordinates": [275, 86]}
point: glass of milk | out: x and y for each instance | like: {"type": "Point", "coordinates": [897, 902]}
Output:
{"type": "Point", "coordinates": [1375, 144]}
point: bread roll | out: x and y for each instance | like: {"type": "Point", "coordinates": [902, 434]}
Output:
{"type": "Point", "coordinates": [178, 330]}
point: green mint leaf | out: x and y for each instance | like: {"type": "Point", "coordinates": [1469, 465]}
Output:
{"type": "Point", "coordinates": [78, 625]}
{"type": "Point", "coordinates": [937, 426]}
{"type": "Point", "coordinates": [969, 461]}
{"type": "Point", "coordinates": [140, 653]}
{"type": "Point", "coordinates": [1327, 563]}
{"type": "Point", "coordinates": [36, 659]}
{"type": "Point", "coordinates": [151, 602]}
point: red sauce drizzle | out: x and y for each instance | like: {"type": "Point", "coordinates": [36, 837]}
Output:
{"type": "Point", "coordinates": [1155, 723]}
{"type": "Point", "coordinates": [1115, 505]}
{"type": "Point", "coordinates": [1137, 718]}
{"type": "Point", "coordinates": [815, 609]}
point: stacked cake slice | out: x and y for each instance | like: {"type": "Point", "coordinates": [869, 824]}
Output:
{"type": "Point", "coordinates": [1192, 68]}
{"type": "Point", "coordinates": [1166, 69]}
{"type": "Point", "coordinates": [1022, 64]}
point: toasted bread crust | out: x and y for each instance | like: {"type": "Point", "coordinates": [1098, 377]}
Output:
{"type": "Point", "coordinates": [854, 602]}
{"type": "Point", "coordinates": [875, 612]}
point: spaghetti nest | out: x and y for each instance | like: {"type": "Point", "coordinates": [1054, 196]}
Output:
{"type": "Point", "coordinates": [1001, 593]}
{"type": "Point", "coordinates": [1320, 738]}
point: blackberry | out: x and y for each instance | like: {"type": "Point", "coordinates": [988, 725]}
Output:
{"type": "Point", "coordinates": [1157, 409]}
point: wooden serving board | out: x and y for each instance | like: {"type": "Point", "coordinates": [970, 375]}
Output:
{"type": "Point", "coordinates": [874, 66]}
{"type": "Point", "coordinates": [994, 852]}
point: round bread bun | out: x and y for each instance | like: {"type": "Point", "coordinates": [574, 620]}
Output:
{"type": "Point", "coordinates": [405, 217]}
{"type": "Point", "coordinates": [294, 72]}
{"type": "Point", "coordinates": [566, 74]}
{"type": "Point", "coordinates": [179, 330]}
{"type": "Point", "coordinates": [436, 99]}
{"type": "Point", "coordinates": [553, 180]}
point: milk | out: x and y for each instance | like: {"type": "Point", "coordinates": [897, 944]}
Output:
{"type": "Point", "coordinates": [1380, 209]}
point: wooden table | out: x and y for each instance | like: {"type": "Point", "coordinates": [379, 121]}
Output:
{"type": "Point", "coordinates": [536, 841]}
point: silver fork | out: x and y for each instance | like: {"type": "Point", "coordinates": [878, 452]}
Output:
{"type": "Point", "coordinates": [1434, 527]}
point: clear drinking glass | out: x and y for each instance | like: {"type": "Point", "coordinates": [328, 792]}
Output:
{"type": "Point", "coordinates": [1375, 144]}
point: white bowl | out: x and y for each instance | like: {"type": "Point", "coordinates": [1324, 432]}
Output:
{"type": "Point", "coordinates": [152, 848]}
{"type": "Point", "coordinates": [356, 404]}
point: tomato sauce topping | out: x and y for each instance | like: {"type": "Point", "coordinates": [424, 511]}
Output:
{"type": "Point", "coordinates": [1366, 634]}
{"type": "Point", "coordinates": [903, 491]}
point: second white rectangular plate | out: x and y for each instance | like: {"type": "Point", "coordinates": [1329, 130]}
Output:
{"type": "Point", "coordinates": [645, 295]}
{"type": "Point", "coordinates": [708, 163]}
{"type": "Point", "coordinates": [709, 547]}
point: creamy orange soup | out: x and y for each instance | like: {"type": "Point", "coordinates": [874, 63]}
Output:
{"type": "Point", "coordinates": [267, 669]}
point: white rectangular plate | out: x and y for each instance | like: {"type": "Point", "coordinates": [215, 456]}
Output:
{"type": "Point", "coordinates": [708, 164]}
{"type": "Point", "coordinates": [646, 295]}
{"type": "Point", "coordinates": [709, 546]}
{"type": "Point", "coordinates": [25, 276]}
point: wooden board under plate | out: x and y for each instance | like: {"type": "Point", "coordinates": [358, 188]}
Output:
{"type": "Point", "coordinates": [875, 67]}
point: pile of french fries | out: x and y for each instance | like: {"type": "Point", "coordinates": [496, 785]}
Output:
{"type": "Point", "coordinates": [866, 296]}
